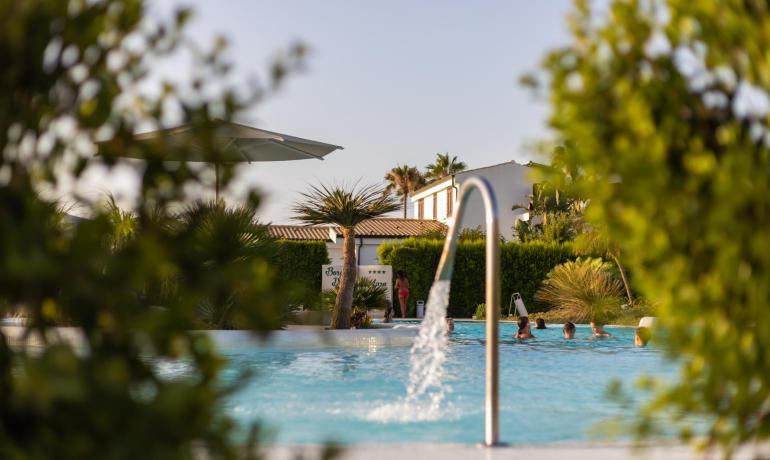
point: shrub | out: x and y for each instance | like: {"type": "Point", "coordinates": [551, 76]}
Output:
{"type": "Point", "coordinates": [523, 267]}
{"type": "Point", "coordinates": [299, 264]}
{"type": "Point", "coordinates": [359, 319]}
{"type": "Point", "coordinates": [481, 311]}
{"type": "Point", "coordinates": [582, 290]}
{"type": "Point", "coordinates": [472, 234]}
{"type": "Point", "coordinates": [366, 295]}
{"type": "Point", "coordinates": [433, 235]}
{"type": "Point", "coordinates": [557, 227]}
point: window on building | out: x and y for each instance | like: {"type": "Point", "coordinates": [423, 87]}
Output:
{"type": "Point", "coordinates": [421, 208]}
{"type": "Point", "coordinates": [435, 206]}
{"type": "Point", "coordinates": [449, 203]}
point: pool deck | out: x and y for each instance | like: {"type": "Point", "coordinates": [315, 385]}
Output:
{"type": "Point", "coordinates": [576, 451]}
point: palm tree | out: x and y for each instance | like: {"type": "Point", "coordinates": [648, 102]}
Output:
{"type": "Point", "coordinates": [345, 208]}
{"type": "Point", "coordinates": [443, 166]}
{"type": "Point", "coordinates": [546, 199]}
{"type": "Point", "coordinates": [404, 180]}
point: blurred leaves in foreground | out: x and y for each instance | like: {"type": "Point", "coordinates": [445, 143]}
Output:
{"type": "Point", "coordinates": [665, 110]}
{"type": "Point", "coordinates": [72, 74]}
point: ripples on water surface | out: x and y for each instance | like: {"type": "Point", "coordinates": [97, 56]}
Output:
{"type": "Point", "coordinates": [551, 389]}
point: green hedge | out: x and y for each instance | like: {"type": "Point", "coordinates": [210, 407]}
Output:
{"type": "Point", "coordinates": [523, 267]}
{"type": "Point", "coordinates": [299, 263]}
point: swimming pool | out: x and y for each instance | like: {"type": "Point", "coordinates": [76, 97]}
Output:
{"type": "Point", "coordinates": [551, 390]}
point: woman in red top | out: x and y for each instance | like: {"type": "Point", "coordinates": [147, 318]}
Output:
{"type": "Point", "coordinates": [402, 288]}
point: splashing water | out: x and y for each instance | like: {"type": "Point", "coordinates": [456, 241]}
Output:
{"type": "Point", "coordinates": [426, 389]}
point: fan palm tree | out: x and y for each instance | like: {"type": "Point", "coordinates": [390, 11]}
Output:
{"type": "Point", "coordinates": [444, 166]}
{"type": "Point", "coordinates": [404, 180]}
{"type": "Point", "coordinates": [345, 207]}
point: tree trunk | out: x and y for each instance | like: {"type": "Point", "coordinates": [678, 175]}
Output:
{"type": "Point", "coordinates": [405, 199]}
{"type": "Point", "coordinates": [623, 277]}
{"type": "Point", "coordinates": [344, 302]}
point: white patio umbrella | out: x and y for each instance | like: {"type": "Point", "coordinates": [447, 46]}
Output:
{"type": "Point", "coordinates": [239, 144]}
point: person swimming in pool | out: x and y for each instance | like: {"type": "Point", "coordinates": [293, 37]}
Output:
{"type": "Point", "coordinates": [450, 325]}
{"type": "Point", "coordinates": [523, 332]}
{"type": "Point", "coordinates": [388, 315]}
{"type": "Point", "coordinates": [402, 288]}
{"type": "Point", "coordinates": [642, 336]}
{"type": "Point", "coordinates": [540, 323]}
{"type": "Point", "coordinates": [598, 331]}
{"type": "Point", "coordinates": [568, 330]}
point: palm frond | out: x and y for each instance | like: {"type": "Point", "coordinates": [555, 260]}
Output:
{"type": "Point", "coordinates": [444, 166]}
{"type": "Point", "coordinates": [346, 207]}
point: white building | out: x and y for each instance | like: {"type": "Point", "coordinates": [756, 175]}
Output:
{"type": "Point", "coordinates": [511, 183]}
{"type": "Point", "coordinates": [369, 235]}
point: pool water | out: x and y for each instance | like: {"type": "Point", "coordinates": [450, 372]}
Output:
{"type": "Point", "coordinates": [551, 389]}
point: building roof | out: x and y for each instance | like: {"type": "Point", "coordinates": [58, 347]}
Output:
{"type": "Point", "coordinates": [404, 228]}
{"type": "Point", "coordinates": [299, 232]}
{"type": "Point", "coordinates": [382, 227]}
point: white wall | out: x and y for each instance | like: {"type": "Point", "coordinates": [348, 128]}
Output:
{"type": "Point", "coordinates": [366, 250]}
{"type": "Point", "coordinates": [427, 195]}
{"type": "Point", "coordinates": [511, 184]}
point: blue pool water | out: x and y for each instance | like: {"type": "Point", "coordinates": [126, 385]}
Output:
{"type": "Point", "coordinates": [552, 390]}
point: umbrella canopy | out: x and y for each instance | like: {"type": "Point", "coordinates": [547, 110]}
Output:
{"type": "Point", "coordinates": [239, 144]}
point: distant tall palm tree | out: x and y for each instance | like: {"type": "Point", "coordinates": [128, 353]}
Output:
{"type": "Point", "coordinates": [444, 166]}
{"type": "Point", "coordinates": [404, 180]}
{"type": "Point", "coordinates": [345, 208]}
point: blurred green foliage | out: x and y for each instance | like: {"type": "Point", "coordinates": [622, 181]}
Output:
{"type": "Point", "coordinates": [664, 107]}
{"type": "Point", "coordinates": [73, 73]}
{"type": "Point", "coordinates": [523, 266]}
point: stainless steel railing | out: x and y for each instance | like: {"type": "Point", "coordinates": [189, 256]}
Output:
{"type": "Point", "coordinates": [492, 293]}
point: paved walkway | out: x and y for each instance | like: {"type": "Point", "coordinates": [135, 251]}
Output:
{"type": "Point", "coordinates": [587, 451]}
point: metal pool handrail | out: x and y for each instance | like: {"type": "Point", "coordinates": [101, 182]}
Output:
{"type": "Point", "coordinates": [492, 293]}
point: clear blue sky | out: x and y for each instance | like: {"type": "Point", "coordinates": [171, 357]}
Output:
{"type": "Point", "coordinates": [391, 81]}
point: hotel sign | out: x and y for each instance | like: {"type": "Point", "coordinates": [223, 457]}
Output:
{"type": "Point", "coordinates": [382, 275]}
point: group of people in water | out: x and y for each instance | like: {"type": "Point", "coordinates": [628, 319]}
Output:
{"type": "Point", "coordinates": [641, 338]}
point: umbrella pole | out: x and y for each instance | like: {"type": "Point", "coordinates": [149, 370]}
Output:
{"type": "Point", "coordinates": [216, 183]}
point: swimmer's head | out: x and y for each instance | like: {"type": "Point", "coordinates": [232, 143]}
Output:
{"type": "Point", "coordinates": [568, 330]}
{"type": "Point", "coordinates": [642, 337]}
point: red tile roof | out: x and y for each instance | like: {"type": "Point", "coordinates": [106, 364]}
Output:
{"type": "Point", "coordinates": [299, 232]}
{"type": "Point", "coordinates": [403, 228]}
{"type": "Point", "coordinates": [378, 227]}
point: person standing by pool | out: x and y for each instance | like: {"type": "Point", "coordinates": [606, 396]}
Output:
{"type": "Point", "coordinates": [402, 288]}
{"type": "Point", "coordinates": [598, 330]}
{"type": "Point", "coordinates": [568, 330]}
{"type": "Point", "coordinates": [523, 332]}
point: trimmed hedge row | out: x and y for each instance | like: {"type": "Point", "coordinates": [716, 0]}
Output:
{"type": "Point", "coordinates": [299, 263]}
{"type": "Point", "coordinates": [523, 267]}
